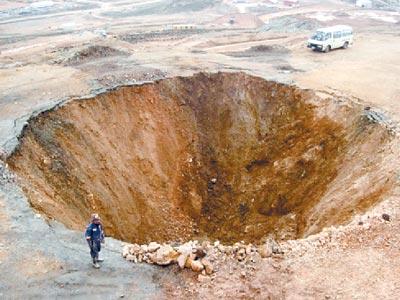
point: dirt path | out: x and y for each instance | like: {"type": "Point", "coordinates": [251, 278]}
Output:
{"type": "Point", "coordinates": [54, 262]}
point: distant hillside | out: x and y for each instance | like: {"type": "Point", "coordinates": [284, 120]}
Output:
{"type": "Point", "coordinates": [167, 7]}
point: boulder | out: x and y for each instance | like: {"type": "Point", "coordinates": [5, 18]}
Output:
{"type": "Point", "coordinates": [131, 257]}
{"type": "Point", "coordinates": [125, 251]}
{"type": "Point", "coordinates": [207, 266]}
{"type": "Point", "coordinates": [186, 248]}
{"type": "Point", "coordinates": [153, 247]}
{"type": "Point", "coordinates": [165, 255]}
{"type": "Point", "coordinates": [196, 266]}
{"type": "Point", "coordinates": [182, 260]}
{"type": "Point", "coordinates": [134, 249]}
{"type": "Point", "coordinates": [144, 248]}
{"type": "Point", "coordinates": [189, 259]}
{"type": "Point", "coordinates": [265, 250]}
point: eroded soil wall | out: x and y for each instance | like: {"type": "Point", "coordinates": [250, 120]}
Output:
{"type": "Point", "coordinates": [224, 156]}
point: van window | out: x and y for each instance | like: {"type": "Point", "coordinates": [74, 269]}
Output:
{"type": "Point", "coordinates": [321, 36]}
{"type": "Point", "coordinates": [318, 36]}
{"type": "Point", "coordinates": [337, 34]}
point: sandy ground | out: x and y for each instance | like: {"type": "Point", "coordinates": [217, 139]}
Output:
{"type": "Point", "coordinates": [38, 42]}
{"type": "Point", "coordinates": [362, 72]}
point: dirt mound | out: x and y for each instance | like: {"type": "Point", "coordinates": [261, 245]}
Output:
{"type": "Point", "coordinates": [89, 53]}
{"type": "Point", "coordinates": [261, 50]}
{"type": "Point", "coordinates": [223, 156]}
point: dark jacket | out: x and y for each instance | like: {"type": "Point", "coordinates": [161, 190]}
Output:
{"type": "Point", "coordinates": [95, 232]}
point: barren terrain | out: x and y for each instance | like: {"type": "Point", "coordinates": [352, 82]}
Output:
{"type": "Point", "coordinates": [208, 120]}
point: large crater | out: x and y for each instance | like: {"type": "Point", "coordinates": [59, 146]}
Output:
{"type": "Point", "coordinates": [221, 156]}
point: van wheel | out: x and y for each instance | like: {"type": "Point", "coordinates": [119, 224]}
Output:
{"type": "Point", "coordinates": [345, 45]}
{"type": "Point", "coordinates": [327, 49]}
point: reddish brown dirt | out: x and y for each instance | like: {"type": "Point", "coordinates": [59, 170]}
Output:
{"type": "Point", "coordinates": [223, 156]}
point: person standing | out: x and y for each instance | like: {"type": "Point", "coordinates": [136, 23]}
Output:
{"type": "Point", "coordinates": [95, 237]}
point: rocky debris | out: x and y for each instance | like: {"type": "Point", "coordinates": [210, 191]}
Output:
{"type": "Point", "coordinates": [88, 54]}
{"type": "Point", "coordinates": [338, 237]}
{"type": "Point", "coordinates": [110, 80]}
{"type": "Point", "coordinates": [202, 258]}
{"type": "Point", "coordinates": [189, 255]}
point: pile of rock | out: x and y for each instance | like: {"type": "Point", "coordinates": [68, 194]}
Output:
{"type": "Point", "coordinates": [190, 255]}
{"type": "Point", "coordinates": [198, 257]}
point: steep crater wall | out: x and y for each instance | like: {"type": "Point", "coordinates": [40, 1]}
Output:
{"type": "Point", "coordinates": [221, 156]}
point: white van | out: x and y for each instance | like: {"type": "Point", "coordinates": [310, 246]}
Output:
{"type": "Point", "coordinates": [326, 39]}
